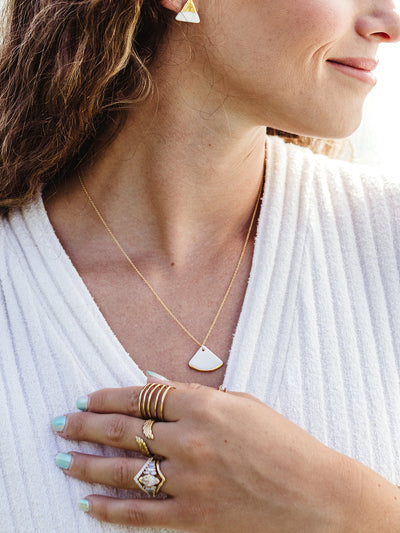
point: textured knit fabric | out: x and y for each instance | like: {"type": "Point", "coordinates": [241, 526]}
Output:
{"type": "Point", "coordinates": [318, 338]}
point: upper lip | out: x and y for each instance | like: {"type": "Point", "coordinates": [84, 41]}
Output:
{"type": "Point", "coordinates": [361, 63]}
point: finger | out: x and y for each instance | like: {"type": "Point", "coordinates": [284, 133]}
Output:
{"type": "Point", "coordinates": [122, 400]}
{"type": "Point", "coordinates": [191, 400]}
{"type": "Point", "coordinates": [118, 472]}
{"type": "Point", "coordinates": [172, 412]}
{"type": "Point", "coordinates": [138, 513]}
{"type": "Point", "coordinates": [116, 430]}
{"type": "Point", "coordinates": [155, 378]}
{"type": "Point", "coordinates": [177, 402]}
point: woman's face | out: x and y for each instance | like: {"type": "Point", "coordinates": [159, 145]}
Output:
{"type": "Point", "coordinates": [276, 59]}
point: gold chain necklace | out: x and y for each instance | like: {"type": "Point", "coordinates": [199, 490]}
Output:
{"type": "Point", "coordinates": [204, 360]}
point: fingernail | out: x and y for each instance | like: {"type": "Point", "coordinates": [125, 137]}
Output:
{"type": "Point", "coordinates": [59, 422]}
{"type": "Point", "coordinates": [63, 460]}
{"type": "Point", "coordinates": [82, 403]}
{"type": "Point", "coordinates": [84, 505]}
{"type": "Point", "coordinates": [151, 374]}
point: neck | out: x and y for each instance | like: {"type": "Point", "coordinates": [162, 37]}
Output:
{"type": "Point", "coordinates": [177, 175]}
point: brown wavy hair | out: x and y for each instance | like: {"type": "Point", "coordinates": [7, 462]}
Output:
{"type": "Point", "coordinates": [68, 71]}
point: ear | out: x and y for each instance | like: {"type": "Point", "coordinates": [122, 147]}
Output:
{"type": "Point", "coordinates": [173, 5]}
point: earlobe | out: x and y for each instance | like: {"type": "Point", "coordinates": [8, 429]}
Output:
{"type": "Point", "coordinates": [173, 5]}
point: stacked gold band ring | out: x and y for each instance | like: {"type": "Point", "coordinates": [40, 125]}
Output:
{"type": "Point", "coordinates": [150, 479]}
{"type": "Point", "coordinates": [152, 400]}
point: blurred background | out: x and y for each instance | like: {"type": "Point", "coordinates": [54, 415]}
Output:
{"type": "Point", "coordinates": [377, 141]}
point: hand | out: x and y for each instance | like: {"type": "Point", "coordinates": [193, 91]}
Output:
{"type": "Point", "coordinates": [231, 464]}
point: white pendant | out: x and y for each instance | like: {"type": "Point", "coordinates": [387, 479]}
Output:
{"type": "Point", "coordinates": [204, 360]}
{"type": "Point", "coordinates": [188, 13]}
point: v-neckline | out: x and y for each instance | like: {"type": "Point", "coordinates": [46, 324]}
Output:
{"type": "Point", "coordinates": [102, 324]}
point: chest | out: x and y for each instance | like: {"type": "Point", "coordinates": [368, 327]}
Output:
{"type": "Point", "coordinates": [163, 336]}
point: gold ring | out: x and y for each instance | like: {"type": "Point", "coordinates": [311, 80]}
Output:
{"type": "Point", "coordinates": [147, 394]}
{"type": "Point", "coordinates": [144, 449]}
{"type": "Point", "coordinates": [148, 409]}
{"type": "Point", "coordinates": [155, 406]}
{"type": "Point", "coordinates": [161, 416]}
{"type": "Point", "coordinates": [148, 397]}
{"type": "Point", "coordinates": [142, 392]}
{"type": "Point", "coordinates": [142, 398]}
{"type": "Point", "coordinates": [150, 479]}
{"type": "Point", "coordinates": [148, 429]}
{"type": "Point", "coordinates": [222, 389]}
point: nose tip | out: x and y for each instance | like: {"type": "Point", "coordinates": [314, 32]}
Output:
{"type": "Point", "coordinates": [396, 24]}
{"type": "Point", "coordinates": [391, 24]}
{"type": "Point", "coordinates": [383, 25]}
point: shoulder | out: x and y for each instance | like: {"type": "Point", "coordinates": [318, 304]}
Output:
{"type": "Point", "coordinates": [17, 238]}
{"type": "Point", "coordinates": [355, 206]}
{"type": "Point", "coordinates": [343, 182]}
{"type": "Point", "coordinates": [4, 242]}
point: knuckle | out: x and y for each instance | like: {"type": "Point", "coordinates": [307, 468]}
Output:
{"type": "Point", "coordinates": [187, 513]}
{"type": "Point", "coordinates": [132, 401]}
{"type": "Point", "coordinates": [206, 407]}
{"type": "Point", "coordinates": [194, 509]}
{"type": "Point", "coordinates": [115, 428]}
{"type": "Point", "coordinates": [247, 396]}
{"type": "Point", "coordinates": [195, 386]}
{"type": "Point", "coordinates": [135, 516]}
{"type": "Point", "coordinates": [192, 442]}
{"type": "Point", "coordinates": [121, 473]}
{"type": "Point", "coordinates": [196, 448]}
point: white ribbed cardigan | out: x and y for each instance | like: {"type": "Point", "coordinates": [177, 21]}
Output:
{"type": "Point", "coordinates": [318, 338]}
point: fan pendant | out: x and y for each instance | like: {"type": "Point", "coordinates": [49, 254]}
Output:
{"type": "Point", "coordinates": [204, 360]}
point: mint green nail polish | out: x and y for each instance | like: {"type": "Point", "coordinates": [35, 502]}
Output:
{"type": "Point", "coordinates": [82, 403]}
{"type": "Point", "coordinates": [151, 374]}
{"type": "Point", "coordinates": [63, 460]}
{"type": "Point", "coordinates": [84, 505]}
{"type": "Point", "coordinates": [59, 422]}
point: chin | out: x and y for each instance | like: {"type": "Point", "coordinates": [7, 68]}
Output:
{"type": "Point", "coordinates": [342, 131]}
{"type": "Point", "coordinates": [333, 129]}
{"type": "Point", "coordinates": [340, 126]}
{"type": "Point", "coordinates": [336, 124]}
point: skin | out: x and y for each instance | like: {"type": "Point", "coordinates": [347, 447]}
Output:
{"type": "Point", "coordinates": [219, 84]}
{"type": "Point", "coordinates": [302, 486]}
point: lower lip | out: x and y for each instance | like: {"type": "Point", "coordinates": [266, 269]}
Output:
{"type": "Point", "coordinates": [363, 75]}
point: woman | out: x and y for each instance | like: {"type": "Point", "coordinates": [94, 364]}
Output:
{"type": "Point", "coordinates": [145, 138]}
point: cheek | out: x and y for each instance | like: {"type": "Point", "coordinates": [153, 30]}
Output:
{"type": "Point", "coordinates": [323, 16]}
{"type": "Point", "coordinates": [262, 35]}
{"type": "Point", "coordinates": [313, 26]}
{"type": "Point", "coordinates": [272, 57]}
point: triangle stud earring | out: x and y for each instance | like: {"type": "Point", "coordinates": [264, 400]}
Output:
{"type": "Point", "coordinates": [188, 13]}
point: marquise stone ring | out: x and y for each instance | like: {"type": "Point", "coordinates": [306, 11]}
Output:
{"type": "Point", "coordinates": [150, 479]}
